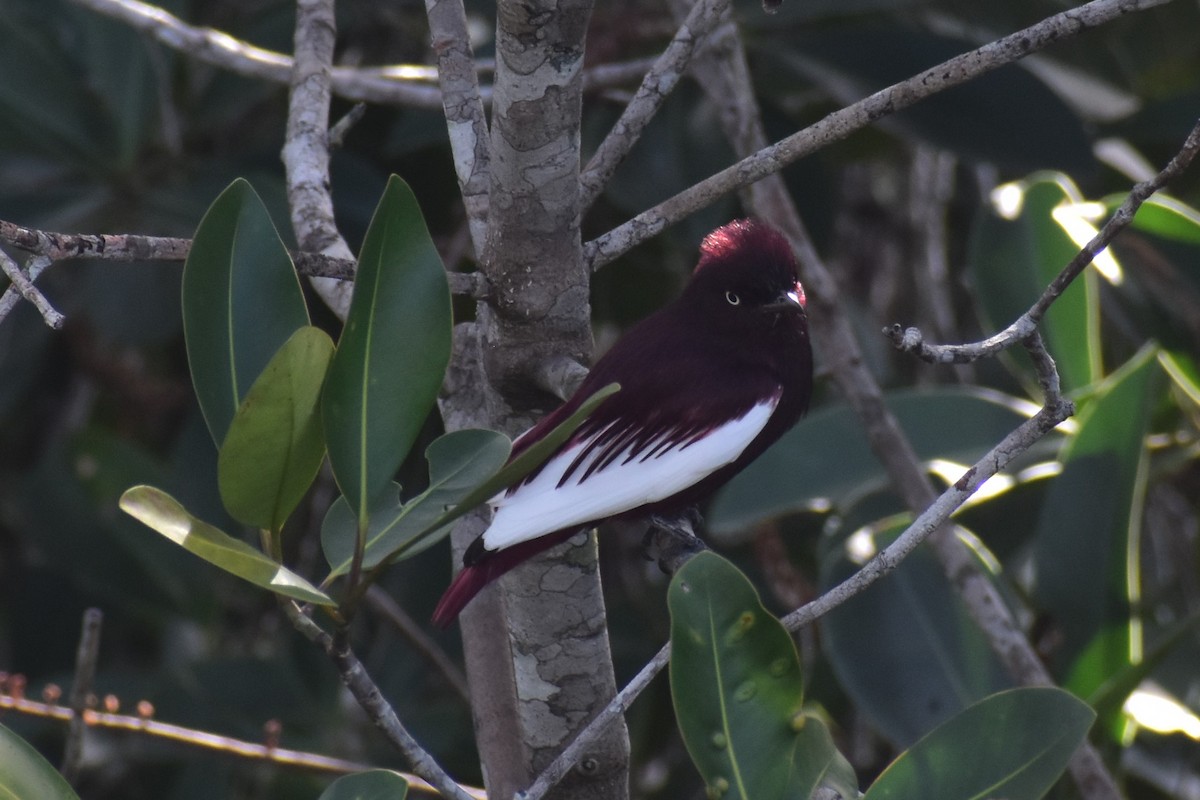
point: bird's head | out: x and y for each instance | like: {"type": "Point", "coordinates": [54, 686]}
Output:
{"type": "Point", "coordinates": [747, 279]}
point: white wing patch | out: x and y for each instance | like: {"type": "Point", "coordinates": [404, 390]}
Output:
{"type": "Point", "coordinates": [542, 506]}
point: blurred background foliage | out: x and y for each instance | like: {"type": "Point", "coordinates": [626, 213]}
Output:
{"type": "Point", "coordinates": [1093, 536]}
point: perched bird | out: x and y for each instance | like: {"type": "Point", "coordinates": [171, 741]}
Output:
{"type": "Point", "coordinates": [707, 384]}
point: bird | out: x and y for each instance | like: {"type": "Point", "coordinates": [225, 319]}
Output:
{"type": "Point", "coordinates": [707, 383]}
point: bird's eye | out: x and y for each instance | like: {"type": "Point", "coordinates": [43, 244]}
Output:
{"type": "Point", "coordinates": [732, 298]}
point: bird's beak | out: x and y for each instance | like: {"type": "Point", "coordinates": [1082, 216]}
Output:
{"type": "Point", "coordinates": [787, 299]}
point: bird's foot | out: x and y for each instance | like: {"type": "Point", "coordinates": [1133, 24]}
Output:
{"type": "Point", "coordinates": [671, 540]}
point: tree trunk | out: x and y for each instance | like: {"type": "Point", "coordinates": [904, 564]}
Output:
{"type": "Point", "coordinates": [536, 644]}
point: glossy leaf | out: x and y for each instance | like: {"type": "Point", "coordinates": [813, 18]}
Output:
{"type": "Point", "coordinates": [1182, 370]}
{"type": "Point", "coordinates": [1012, 744]}
{"type": "Point", "coordinates": [938, 662]}
{"type": "Point", "coordinates": [373, 784]}
{"type": "Point", "coordinates": [274, 446]}
{"type": "Point", "coordinates": [241, 302]}
{"type": "Point", "coordinates": [1013, 258]}
{"type": "Point", "coordinates": [529, 459]}
{"type": "Point", "coordinates": [458, 462]}
{"type": "Point", "coordinates": [826, 458]}
{"type": "Point", "coordinates": [737, 689]}
{"type": "Point", "coordinates": [392, 354]}
{"type": "Point", "coordinates": [1085, 557]}
{"type": "Point", "coordinates": [26, 775]}
{"type": "Point", "coordinates": [163, 513]}
{"type": "Point", "coordinates": [1165, 216]}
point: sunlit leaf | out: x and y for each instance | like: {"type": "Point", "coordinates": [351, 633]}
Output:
{"type": "Point", "coordinates": [1163, 216]}
{"type": "Point", "coordinates": [1013, 258]}
{"type": "Point", "coordinates": [163, 513]}
{"type": "Point", "coordinates": [737, 689]}
{"type": "Point", "coordinates": [241, 302]}
{"type": "Point", "coordinates": [392, 354]}
{"type": "Point", "coordinates": [1012, 744]}
{"type": "Point", "coordinates": [1183, 372]}
{"type": "Point", "coordinates": [274, 446]}
{"type": "Point", "coordinates": [458, 462]}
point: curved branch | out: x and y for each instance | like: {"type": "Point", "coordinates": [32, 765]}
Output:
{"type": "Point", "coordinates": [703, 18]}
{"type": "Point", "coordinates": [840, 124]}
{"type": "Point", "coordinates": [912, 341]}
{"type": "Point", "coordinates": [50, 247]}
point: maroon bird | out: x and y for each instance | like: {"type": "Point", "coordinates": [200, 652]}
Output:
{"type": "Point", "coordinates": [707, 384]}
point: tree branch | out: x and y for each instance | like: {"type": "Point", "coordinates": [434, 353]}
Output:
{"type": "Point", "coordinates": [404, 85]}
{"type": "Point", "coordinates": [86, 656]}
{"type": "Point", "coordinates": [22, 286]}
{"type": "Point", "coordinates": [409, 85]}
{"type": "Point", "coordinates": [657, 84]}
{"type": "Point", "coordinates": [462, 101]}
{"type": "Point", "coordinates": [49, 247]}
{"type": "Point", "coordinates": [911, 340]}
{"type": "Point", "coordinates": [306, 147]}
{"type": "Point", "coordinates": [359, 682]}
{"type": "Point", "coordinates": [840, 124]}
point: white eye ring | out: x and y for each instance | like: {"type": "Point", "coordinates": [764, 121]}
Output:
{"type": "Point", "coordinates": [732, 298]}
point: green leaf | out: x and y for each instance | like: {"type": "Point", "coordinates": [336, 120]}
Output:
{"type": "Point", "coordinates": [458, 462]}
{"type": "Point", "coordinates": [274, 446]}
{"type": "Point", "coordinates": [1085, 555]}
{"type": "Point", "coordinates": [1163, 215]}
{"type": "Point", "coordinates": [392, 354]}
{"type": "Point", "coordinates": [373, 784]}
{"type": "Point", "coordinates": [737, 689]}
{"type": "Point", "coordinates": [826, 458]}
{"type": "Point", "coordinates": [1181, 368]}
{"type": "Point", "coordinates": [1012, 260]}
{"type": "Point", "coordinates": [938, 661]}
{"type": "Point", "coordinates": [241, 301]}
{"type": "Point", "coordinates": [163, 513]}
{"type": "Point", "coordinates": [530, 459]}
{"type": "Point", "coordinates": [1013, 744]}
{"type": "Point", "coordinates": [26, 775]}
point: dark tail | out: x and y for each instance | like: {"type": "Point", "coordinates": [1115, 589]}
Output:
{"type": "Point", "coordinates": [484, 567]}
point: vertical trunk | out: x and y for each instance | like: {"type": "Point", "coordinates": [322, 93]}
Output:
{"type": "Point", "coordinates": [536, 645]}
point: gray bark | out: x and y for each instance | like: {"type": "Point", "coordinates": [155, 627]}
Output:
{"type": "Point", "coordinates": [536, 644]}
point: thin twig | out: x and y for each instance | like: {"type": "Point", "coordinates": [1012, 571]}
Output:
{"type": "Point", "coordinates": [840, 124]}
{"type": "Point", "coordinates": [405, 85]}
{"type": "Point", "coordinates": [409, 85]}
{"type": "Point", "coordinates": [657, 84]}
{"type": "Point", "coordinates": [49, 247]}
{"type": "Point", "coordinates": [25, 288]}
{"type": "Point", "coordinates": [360, 684]}
{"type": "Point", "coordinates": [996, 459]}
{"type": "Point", "coordinates": [382, 602]}
{"type": "Point", "coordinates": [143, 723]}
{"type": "Point", "coordinates": [86, 656]}
{"type": "Point", "coordinates": [340, 129]}
{"type": "Point", "coordinates": [911, 340]}
{"type": "Point", "coordinates": [12, 296]}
